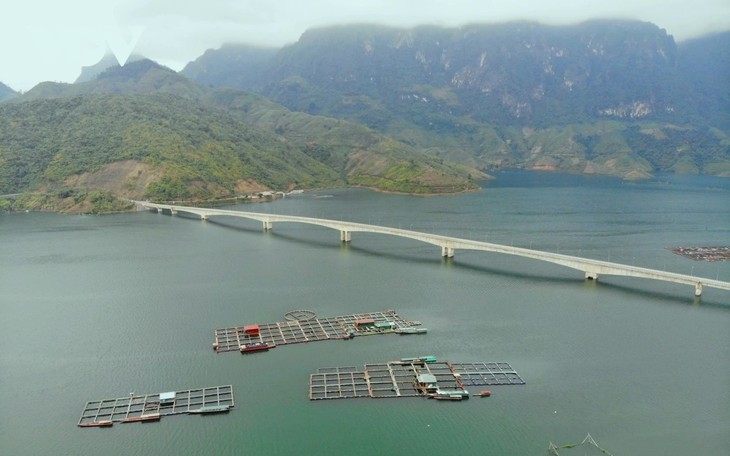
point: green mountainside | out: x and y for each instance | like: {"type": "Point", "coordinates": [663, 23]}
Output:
{"type": "Point", "coordinates": [422, 110]}
{"type": "Point", "coordinates": [143, 131]}
{"type": "Point", "coordinates": [606, 97]}
{"type": "Point", "coordinates": [164, 146]}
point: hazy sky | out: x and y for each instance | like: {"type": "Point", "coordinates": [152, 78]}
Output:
{"type": "Point", "coordinates": [50, 40]}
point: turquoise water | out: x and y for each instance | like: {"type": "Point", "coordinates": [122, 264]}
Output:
{"type": "Point", "coordinates": [97, 307]}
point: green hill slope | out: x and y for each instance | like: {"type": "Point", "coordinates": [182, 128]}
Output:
{"type": "Point", "coordinates": [143, 131]}
{"type": "Point", "coordinates": [155, 146]}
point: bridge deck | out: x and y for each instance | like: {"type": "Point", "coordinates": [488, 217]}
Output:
{"type": "Point", "coordinates": [400, 379]}
{"type": "Point", "coordinates": [591, 268]}
{"type": "Point", "coordinates": [135, 408]}
{"type": "Point", "coordinates": [311, 330]}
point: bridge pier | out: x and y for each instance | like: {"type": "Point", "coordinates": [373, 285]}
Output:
{"type": "Point", "coordinates": [447, 252]}
{"type": "Point", "coordinates": [698, 289]}
{"type": "Point", "coordinates": [268, 225]}
{"type": "Point", "coordinates": [591, 275]}
{"type": "Point", "coordinates": [345, 236]}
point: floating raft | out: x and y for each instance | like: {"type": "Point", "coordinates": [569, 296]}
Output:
{"type": "Point", "coordinates": [480, 374]}
{"type": "Point", "coordinates": [303, 326]}
{"type": "Point", "coordinates": [409, 377]}
{"type": "Point", "coordinates": [150, 407]}
{"type": "Point", "coordinates": [720, 253]}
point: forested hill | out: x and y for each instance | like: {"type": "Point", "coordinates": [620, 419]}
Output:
{"type": "Point", "coordinates": [610, 97]}
{"type": "Point", "coordinates": [143, 131]}
{"type": "Point", "coordinates": [160, 146]}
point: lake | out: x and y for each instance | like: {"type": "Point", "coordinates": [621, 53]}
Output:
{"type": "Point", "coordinates": [96, 307]}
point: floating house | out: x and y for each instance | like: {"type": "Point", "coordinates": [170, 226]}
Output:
{"type": "Point", "coordinates": [427, 383]}
{"type": "Point", "coordinates": [365, 323]}
{"type": "Point", "coordinates": [167, 398]}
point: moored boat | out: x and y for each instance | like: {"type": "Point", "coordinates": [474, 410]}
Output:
{"type": "Point", "coordinates": [211, 409]}
{"type": "Point", "coordinates": [419, 360]}
{"type": "Point", "coordinates": [142, 418]}
{"type": "Point", "coordinates": [255, 347]}
{"type": "Point", "coordinates": [485, 393]}
{"type": "Point", "coordinates": [404, 331]}
{"type": "Point", "coordinates": [102, 423]}
{"type": "Point", "coordinates": [445, 394]}
{"type": "Point", "coordinates": [450, 397]}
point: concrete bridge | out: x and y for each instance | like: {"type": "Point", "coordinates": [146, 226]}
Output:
{"type": "Point", "coordinates": [592, 269]}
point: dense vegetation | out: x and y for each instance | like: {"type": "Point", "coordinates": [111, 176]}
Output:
{"type": "Point", "coordinates": [578, 98]}
{"type": "Point", "coordinates": [142, 131]}
{"type": "Point", "coordinates": [387, 108]}
{"type": "Point", "coordinates": [197, 151]}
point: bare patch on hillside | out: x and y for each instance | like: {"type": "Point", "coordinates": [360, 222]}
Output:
{"type": "Point", "coordinates": [248, 186]}
{"type": "Point", "coordinates": [367, 163]}
{"type": "Point", "coordinates": [127, 178]}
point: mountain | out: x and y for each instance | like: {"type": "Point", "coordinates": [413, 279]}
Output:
{"type": "Point", "coordinates": [140, 77]}
{"type": "Point", "coordinates": [90, 72]}
{"type": "Point", "coordinates": [705, 64]}
{"type": "Point", "coordinates": [6, 93]}
{"type": "Point", "coordinates": [606, 97]}
{"type": "Point", "coordinates": [233, 65]}
{"type": "Point", "coordinates": [143, 131]}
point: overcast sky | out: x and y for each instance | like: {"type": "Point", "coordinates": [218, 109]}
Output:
{"type": "Point", "coordinates": [50, 40]}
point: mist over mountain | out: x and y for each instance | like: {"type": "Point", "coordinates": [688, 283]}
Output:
{"type": "Point", "coordinates": [6, 93]}
{"type": "Point", "coordinates": [705, 64]}
{"type": "Point", "coordinates": [608, 97]}
{"type": "Point", "coordinates": [90, 72]}
{"type": "Point", "coordinates": [422, 110]}
{"type": "Point", "coordinates": [139, 77]}
{"type": "Point", "coordinates": [232, 65]}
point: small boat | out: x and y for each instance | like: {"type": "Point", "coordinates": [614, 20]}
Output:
{"type": "Point", "coordinates": [446, 394]}
{"type": "Point", "coordinates": [419, 360]}
{"type": "Point", "coordinates": [451, 397]}
{"type": "Point", "coordinates": [404, 331]}
{"type": "Point", "coordinates": [255, 347]}
{"type": "Point", "coordinates": [211, 409]}
{"type": "Point", "coordinates": [142, 418]}
{"type": "Point", "coordinates": [102, 423]}
{"type": "Point", "coordinates": [485, 393]}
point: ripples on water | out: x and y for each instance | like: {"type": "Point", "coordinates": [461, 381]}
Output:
{"type": "Point", "coordinates": [97, 307]}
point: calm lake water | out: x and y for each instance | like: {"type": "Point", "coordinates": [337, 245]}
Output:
{"type": "Point", "coordinates": [98, 307]}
